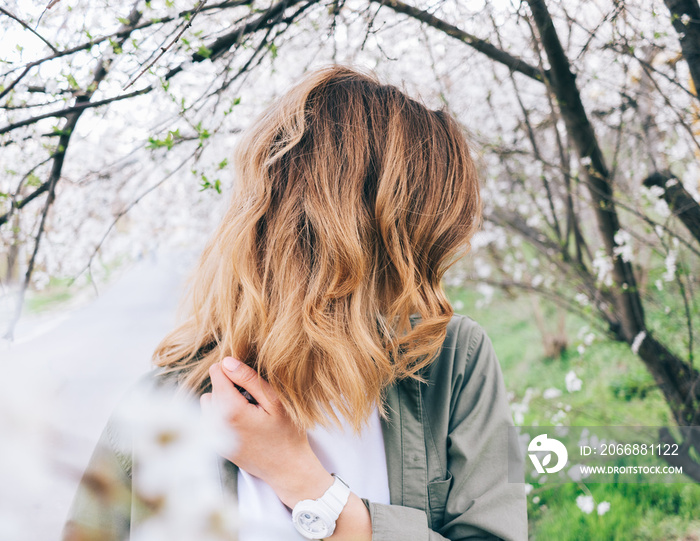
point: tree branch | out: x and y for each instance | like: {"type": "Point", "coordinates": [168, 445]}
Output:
{"type": "Point", "coordinates": [483, 46]}
{"type": "Point", "coordinates": [582, 134]}
{"type": "Point", "coordinates": [679, 200]}
{"type": "Point", "coordinates": [79, 106]}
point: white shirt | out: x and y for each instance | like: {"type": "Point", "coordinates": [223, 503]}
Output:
{"type": "Point", "coordinates": [359, 461]}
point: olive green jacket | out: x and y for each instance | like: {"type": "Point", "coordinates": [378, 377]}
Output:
{"type": "Point", "coordinates": [447, 452]}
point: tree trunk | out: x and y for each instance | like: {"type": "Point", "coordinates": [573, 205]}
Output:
{"type": "Point", "coordinates": [685, 17]}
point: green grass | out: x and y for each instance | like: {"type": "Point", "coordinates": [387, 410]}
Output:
{"type": "Point", "coordinates": [54, 295]}
{"type": "Point", "coordinates": [616, 391]}
{"type": "Point", "coordinates": [59, 291]}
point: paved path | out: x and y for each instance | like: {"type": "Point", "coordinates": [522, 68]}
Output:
{"type": "Point", "coordinates": [69, 378]}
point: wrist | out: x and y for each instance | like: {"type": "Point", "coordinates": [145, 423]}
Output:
{"type": "Point", "coordinates": [304, 479]}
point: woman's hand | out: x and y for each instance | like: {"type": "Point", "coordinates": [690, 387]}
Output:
{"type": "Point", "coordinates": [269, 446]}
{"type": "Point", "coordinates": [272, 448]}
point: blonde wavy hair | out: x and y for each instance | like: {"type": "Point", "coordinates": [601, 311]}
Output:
{"type": "Point", "coordinates": [351, 201]}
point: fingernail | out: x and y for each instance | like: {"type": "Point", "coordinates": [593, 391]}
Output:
{"type": "Point", "coordinates": [231, 364]}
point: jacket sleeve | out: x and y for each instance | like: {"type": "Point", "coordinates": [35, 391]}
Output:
{"type": "Point", "coordinates": [481, 503]}
{"type": "Point", "coordinates": [101, 506]}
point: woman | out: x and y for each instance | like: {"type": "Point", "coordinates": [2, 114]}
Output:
{"type": "Point", "coordinates": [318, 326]}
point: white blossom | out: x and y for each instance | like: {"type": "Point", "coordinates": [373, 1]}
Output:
{"type": "Point", "coordinates": [603, 266]}
{"type": "Point", "coordinates": [487, 292]}
{"type": "Point", "coordinates": [670, 263]}
{"type": "Point", "coordinates": [519, 409]}
{"type": "Point", "coordinates": [550, 393]}
{"type": "Point", "coordinates": [558, 417]}
{"type": "Point", "coordinates": [637, 342]}
{"type": "Point", "coordinates": [582, 299]}
{"type": "Point", "coordinates": [585, 503]}
{"type": "Point", "coordinates": [603, 507]}
{"type": "Point", "coordinates": [573, 383]}
{"type": "Point", "coordinates": [537, 280]}
{"type": "Point", "coordinates": [624, 247]}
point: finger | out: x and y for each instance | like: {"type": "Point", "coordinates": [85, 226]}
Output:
{"type": "Point", "coordinates": [243, 375]}
{"type": "Point", "coordinates": [224, 394]}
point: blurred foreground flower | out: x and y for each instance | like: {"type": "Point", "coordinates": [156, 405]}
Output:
{"type": "Point", "coordinates": [175, 468]}
{"type": "Point", "coordinates": [155, 474]}
{"type": "Point", "coordinates": [25, 452]}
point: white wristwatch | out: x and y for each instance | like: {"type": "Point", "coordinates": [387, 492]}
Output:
{"type": "Point", "coordinates": [315, 519]}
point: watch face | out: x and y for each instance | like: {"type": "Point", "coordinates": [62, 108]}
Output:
{"type": "Point", "coordinates": [311, 524]}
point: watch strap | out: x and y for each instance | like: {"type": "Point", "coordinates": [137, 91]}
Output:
{"type": "Point", "coordinates": [336, 496]}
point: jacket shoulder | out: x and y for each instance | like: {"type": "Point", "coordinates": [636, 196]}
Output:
{"type": "Point", "coordinates": [466, 354]}
{"type": "Point", "coordinates": [463, 340]}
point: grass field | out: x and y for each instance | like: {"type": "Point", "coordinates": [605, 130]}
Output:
{"type": "Point", "coordinates": [616, 390]}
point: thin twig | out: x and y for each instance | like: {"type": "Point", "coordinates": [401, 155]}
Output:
{"type": "Point", "coordinates": [88, 266]}
{"type": "Point", "coordinates": [26, 26]}
{"type": "Point", "coordinates": [165, 49]}
{"type": "Point", "coordinates": [81, 106]}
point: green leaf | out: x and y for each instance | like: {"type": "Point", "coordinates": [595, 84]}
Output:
{"type": "Point", "coordinates": [33, 181]}
{"type": "Point", "coordinates": [168, 142]}
{"type": "Point", "coordinates": [206, 185]}
{"type": "Point", "coordinates": [204, 51]}
{"type": "Point", "coordinates": [202, 133]}
{"type": "Point", "coordinates": [57, 131]}
{"type": "Point", "coordinates": [273, 50]}
{"type": "Point", "coordinates": [124, 21]}
{"type": "Point", "coordinates": [72, 82]}
{"type": "Point", "coordinates": [223, 163]}
{"type": "Point", "coordinates": [235, 102]}
{"type": "Point", "coordinates": [115, 46]}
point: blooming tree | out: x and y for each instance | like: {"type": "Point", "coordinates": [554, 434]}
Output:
{"type": "Point", "coordinates": [118, 121]}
